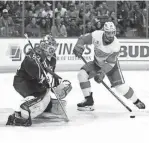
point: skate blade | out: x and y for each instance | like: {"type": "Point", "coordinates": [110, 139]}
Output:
{"type": "Point", "coordinates": [86, 108]}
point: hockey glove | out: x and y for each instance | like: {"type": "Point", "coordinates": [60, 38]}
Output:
{"type": "Point", "coordinates": [78, 50]}
{"type": "Point", "coordinates": [45, 84]}
{"type": "Point", "coordinates": [99, 77]}
{"type": "Point", "coordinates": [63, 89]}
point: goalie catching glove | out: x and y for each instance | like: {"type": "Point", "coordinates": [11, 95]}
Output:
{"type": "Point", "coordinates": [63, 89]}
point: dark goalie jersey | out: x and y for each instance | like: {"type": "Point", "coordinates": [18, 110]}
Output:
{"type": "Point", "coordinates": [30, 69]}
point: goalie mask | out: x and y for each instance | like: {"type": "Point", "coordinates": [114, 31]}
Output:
{"type": "Point", "coordinates": [49, 46]}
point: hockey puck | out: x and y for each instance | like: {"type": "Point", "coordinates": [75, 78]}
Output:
{"type": "Point", "coordinates": [132, 116]}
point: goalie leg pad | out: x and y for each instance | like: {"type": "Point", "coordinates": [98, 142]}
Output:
{"type": "Point", "coordinates": [35, 106]}
{"type": "Point", "coordinates": [56, 108]}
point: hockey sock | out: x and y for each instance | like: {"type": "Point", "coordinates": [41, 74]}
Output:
{"type": "Point", "coordinates": [127, 92]}
{"type": "Point", "coordinates": [86, 88]}
{"type": "Point", "coordinates": [84, 83]}
{"type": "Point", "coordinates": [131, 95]}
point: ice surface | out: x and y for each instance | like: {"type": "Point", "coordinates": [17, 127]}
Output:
{"type": "Point", "coordinates": [110, 121]}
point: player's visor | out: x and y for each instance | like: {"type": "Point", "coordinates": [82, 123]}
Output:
{"type": "Point", "coordinates": [110, 33]}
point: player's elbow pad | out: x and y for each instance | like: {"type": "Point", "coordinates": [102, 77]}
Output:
{"type": "Point", "coordinates": [80, 41]}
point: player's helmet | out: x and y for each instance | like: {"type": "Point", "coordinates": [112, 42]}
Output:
{"type": "Point", "coordinates": [109, 26]}
{"type": "Point", "coordinates": [48, 45]}
{"type": "Point", "coordinates": [109, 30]}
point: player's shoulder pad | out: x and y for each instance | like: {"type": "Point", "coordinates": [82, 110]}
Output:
{"type": "Point", "coordinates": [85, 39]}
{"type": "Point", "coordinates": [116, 45]}
{"type": "Point", "coordinates": [97, 33]}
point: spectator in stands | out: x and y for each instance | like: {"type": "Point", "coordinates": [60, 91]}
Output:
{"type": "Point", "coordinates": [28, 17]}
{"type": "Point", "coordinates": [27, 5]}
{"type": "Point", "coordinates": [32, 29]}
{"type": "Point", "coordinates": [103, 9]}
{"type": "Point", "coordinates": [59, 29]}
{"type": "Point", "coordinates": [60, 10]}
{"type": "Point", "coordinates": [136, 18]}
{"type": "Point", "coordinates": [89, 11]}
{"type": "Point", "coordinates": [73, 30]}
{"type": "Point", "coordinates": [81, 28]}
{"type": "Point", "coordinates": [66, 20]}
{"type": "Point", "coordinates": [97, 25]}
{"type": "Point", "coordinates": [47, 12]}
{"type": "Point", "coordinates": [32, 7]}
{"type": "Point", "coordinates": [40, 4]}
{"type": "Point", "coordinates": [113, 18]}
{"type": "Point", "coordinates": [122, 19]}
{"type": "Point", "coordinates": [6, 24]}
{"type": "Point", "coordinates": [80, 17]}
{"type": "Point", "coordinates": [40, 7]}
{"type": "Point", "coordinates": [102, 12]}
{"type": "Point", "coordinates": [89, 28]}
{"type": "Point", "coordinates": [66, 4]}
{"type": "Point", "coordinates": [44, 27]}
{"type": "Point", "coordinates": [17, 13]}
{"type": "Point", "coordinates": [2, 6]}
{"type": "Point", "coordinates": [38, 10]}
{"type": "Point", "coordinates": [72, 13]}
{"type": "Point", "coordinates": [78, 5]}
{"type": "Point", "coordinates": [8, 7]}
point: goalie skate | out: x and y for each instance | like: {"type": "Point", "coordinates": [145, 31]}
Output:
{"type": "Point", "coordinates": [87, 104]}
{"type": "Point", "coordinates": [16, 120]}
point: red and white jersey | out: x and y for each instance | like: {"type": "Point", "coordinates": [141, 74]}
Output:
{"type": "Point", "coordinates": [104, 52]}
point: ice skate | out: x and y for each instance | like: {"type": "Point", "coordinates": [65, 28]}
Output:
{"type": "Point", "coordinates": [16, 120]}
{"type": "Point", "coordinates": [87, 104]}
{"type": "Point", "coordinates": [139, 104]}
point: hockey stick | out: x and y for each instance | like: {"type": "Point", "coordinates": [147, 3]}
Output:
{"type": "Point", "coordinates": [45, 75]}
{"type": "Point", "coordinates": [128, 108]}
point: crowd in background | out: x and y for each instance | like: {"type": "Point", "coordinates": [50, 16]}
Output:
{"type": "Point", "coordinates": [72, 18]}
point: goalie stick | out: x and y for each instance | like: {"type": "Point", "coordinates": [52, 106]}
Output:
{"type": "Point", "coordinates": [47, 79]}
{"type": "Point", "coordinates": [128, 108]}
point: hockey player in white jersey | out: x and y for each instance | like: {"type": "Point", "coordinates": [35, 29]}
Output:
{"type": "Point", "coordinates": [106, 49]}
